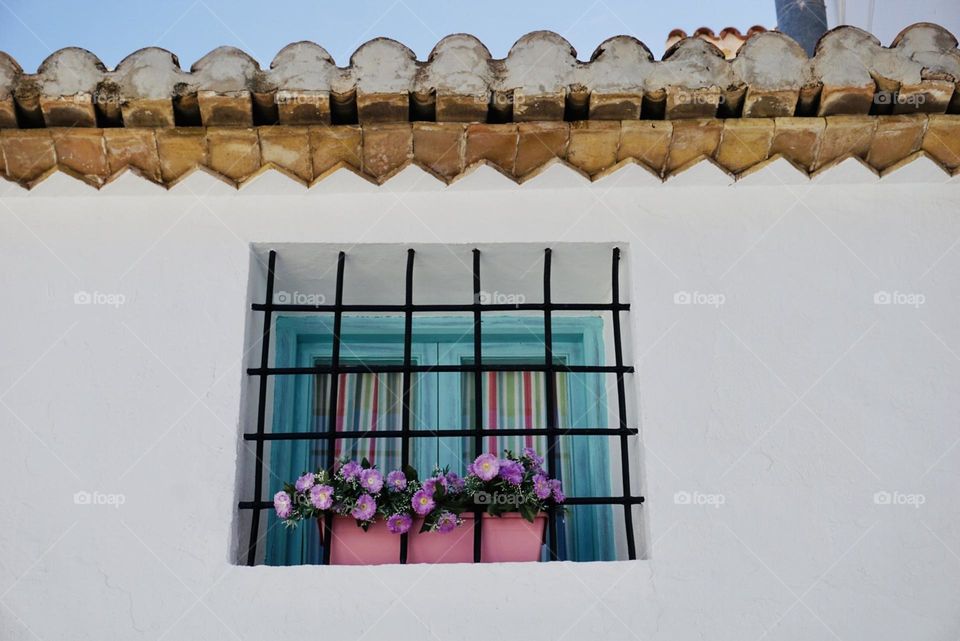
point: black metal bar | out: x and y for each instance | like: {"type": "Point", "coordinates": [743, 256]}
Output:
{"type": "Point", "coordinates": [497, 307]}
{"type": "Point", "coordinates": [570, 500]}
{"type": "Point", "coordinates": [549, 367]}
{"type": "Point", "coordinates": [553, 451]}
{"type": "Point", "coordinates": [333, 394]}
{"type": "Point", "coordinates": [622, 410]}
{"type": "Point", "coordinates": [434, 432]}
{"type": "Point", "coordinates": [261, 411]}
{"type": "Point", "coordinates": [407, 351]}
{"type": "Point", "coordinates": [395, 369]}
{"type": "Point", "coordinates": [477, 399]}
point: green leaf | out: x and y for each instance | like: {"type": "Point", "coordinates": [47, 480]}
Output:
{"type": "Point", "coordinates": [528, 511]}
{"type": "Point", "coordinates": [410, 472]}
{"type": "Point", "coordinates": [365, 464]}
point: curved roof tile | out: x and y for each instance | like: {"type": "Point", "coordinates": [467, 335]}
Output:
{"type": "Point", "coordinates": [541, 78]}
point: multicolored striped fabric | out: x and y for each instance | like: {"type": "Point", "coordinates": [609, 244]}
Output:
{"type": "Point", "coordinates": [365, 403]}
{"type": "Point", "coordinates": [372, 402]}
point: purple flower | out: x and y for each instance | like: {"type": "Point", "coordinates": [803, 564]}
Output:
{"type": "Point", "coordinates": [305, 482]}
{"type": "Point", "coordinates": [321, 497]}
{"type": "Point", "coordinates": [350, 470]}
{"type": "Point", "coordinates": [365, 509]}
{"type": "Point", "coordinates": [511, 471]}
{"type": "Point", "coordinates": [536, 459]}
{"type": "Point", "coordinates": [541, 487]}
{"type": "Point", "coordinates": [430, 485]}
{"type": "Point", "coordinates": [397, 481]}
{"type": "Point", "coordinates": [371, 480]}
{"type": "Point", "coordinates": [557, 488]}
{"type": "Point", "coordinates": [447, 522]}
{"type": "Point", "coordinates": [423, 502]}
{"type": "Point", "coordinates": [454, 482]}
{"type": "Point", "coordinates": [399, 523]}
{"type": "Point", "coordinates": [486, 466]}
{"type": "Point", "coordinates": [283, 504]}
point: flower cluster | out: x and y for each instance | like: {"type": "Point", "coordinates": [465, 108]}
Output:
{"type": "Point", "coordinates": [513, 484]}
{"type": "Point", "coordinates": [508, 484]}
{"type": "Point", "coordinates": [352, 489]}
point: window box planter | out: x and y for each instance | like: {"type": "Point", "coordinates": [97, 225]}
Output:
{"type": "Point", "coordinates": [507, 538]}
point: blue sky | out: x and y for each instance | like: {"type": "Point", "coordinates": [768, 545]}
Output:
{"type": "Point", "coordinates": [31, 29]}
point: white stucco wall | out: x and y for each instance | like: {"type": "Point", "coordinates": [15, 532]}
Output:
{"type": "Point", "coordinates": [793, 403]}
{"type": "Point", "coordinates": [886, 18]}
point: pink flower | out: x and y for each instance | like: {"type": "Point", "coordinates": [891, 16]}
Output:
{"type": "Point", "coordinates": [283, 505]}
{"type": "Point", "coordinates": [542, 487]}
{"type": "Point", "coordinates": [447, 522]}
{"type": "Point", "coordinates": [397, 481]}
{"type": "Point", "coordinates": [371, 480]}
{"type": "Point", "coordinates": [305, 482]}
{"type": "Point", "coordinates": [423, 502]}
{"type": "Point", "coordinates": [399, 523]}
{"type": "Point", "coordinates": [486, 466]}
{"type": "Point", "coordinates": [511, 471]}
{"type": "Point", "coordinates": [350, 470]}
{"type": "Point", "coordinates": [557, 489]}
{"type": "Point", "coordinates": [321, 497]}
{"type": "Point", "coordinates": [365, 509]}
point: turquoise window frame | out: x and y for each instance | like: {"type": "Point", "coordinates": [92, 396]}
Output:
{"type": "Point", "coordinates": [303, 341]}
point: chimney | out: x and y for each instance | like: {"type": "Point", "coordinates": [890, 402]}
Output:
{"type": "Point", "coordinates": [803, 20]}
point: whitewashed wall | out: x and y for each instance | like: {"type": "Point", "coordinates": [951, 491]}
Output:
{"type": "Point", "coordinates": [886, 18]}
{"type": "Point", "coordinates": [791, 405]}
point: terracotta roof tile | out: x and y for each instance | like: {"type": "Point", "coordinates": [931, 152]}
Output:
{"type": "Point", "coordinates": [541, 78]}
{"type": "Point", "coordinates": [449, 150]}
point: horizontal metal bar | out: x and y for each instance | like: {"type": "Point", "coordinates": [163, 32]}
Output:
{"type": "Point", "coordinates": [392, 369]}
{"type": "Point", "coordinates": [469, 307]}
{"type": "Point", "coordinates": [604, 500]}
{"type": "Point", "coordinates": [570, 500]}
{"type": "Point", "coordinates": [433, 433]}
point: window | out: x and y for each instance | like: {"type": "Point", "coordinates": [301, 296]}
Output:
{"type": "Point", "coordinates": [399, 382]}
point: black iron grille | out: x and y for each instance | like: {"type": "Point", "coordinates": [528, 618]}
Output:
{"type": "Point", "coordinates": [477, 366]}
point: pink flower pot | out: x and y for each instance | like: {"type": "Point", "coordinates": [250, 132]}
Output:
{"type": "Point", "coordinates": [505, 538]}
{"type": "Point", "coordinates": [353, 546]}
{"type": "Point", "coordinates": [441, 547]}
{"type": "Point", "coordinates": [510, 537]}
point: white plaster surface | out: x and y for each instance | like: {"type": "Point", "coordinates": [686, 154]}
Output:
{"type": "Point", "coordinates": [796, 400]}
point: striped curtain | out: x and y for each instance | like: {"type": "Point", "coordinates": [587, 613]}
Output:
{"type": "Point", "coordinates": [365, 403]}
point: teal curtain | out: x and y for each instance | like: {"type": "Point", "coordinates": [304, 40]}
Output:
{"type": "Point", "coordinates": [370, 402]}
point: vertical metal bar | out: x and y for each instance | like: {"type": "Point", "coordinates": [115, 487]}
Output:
{"type": "Point", "coordinates": [261, 411]}
{"type": "Point", "coordinates": [407, 350]}
{"type": "Point", "coordinates": [622, 408]}
{"type": "Point", "coordinates": [477, 396]}
{"type": "Point", "coordinates": [334, 393]}
{"type": "Point", "coordinates": [553, 449]}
